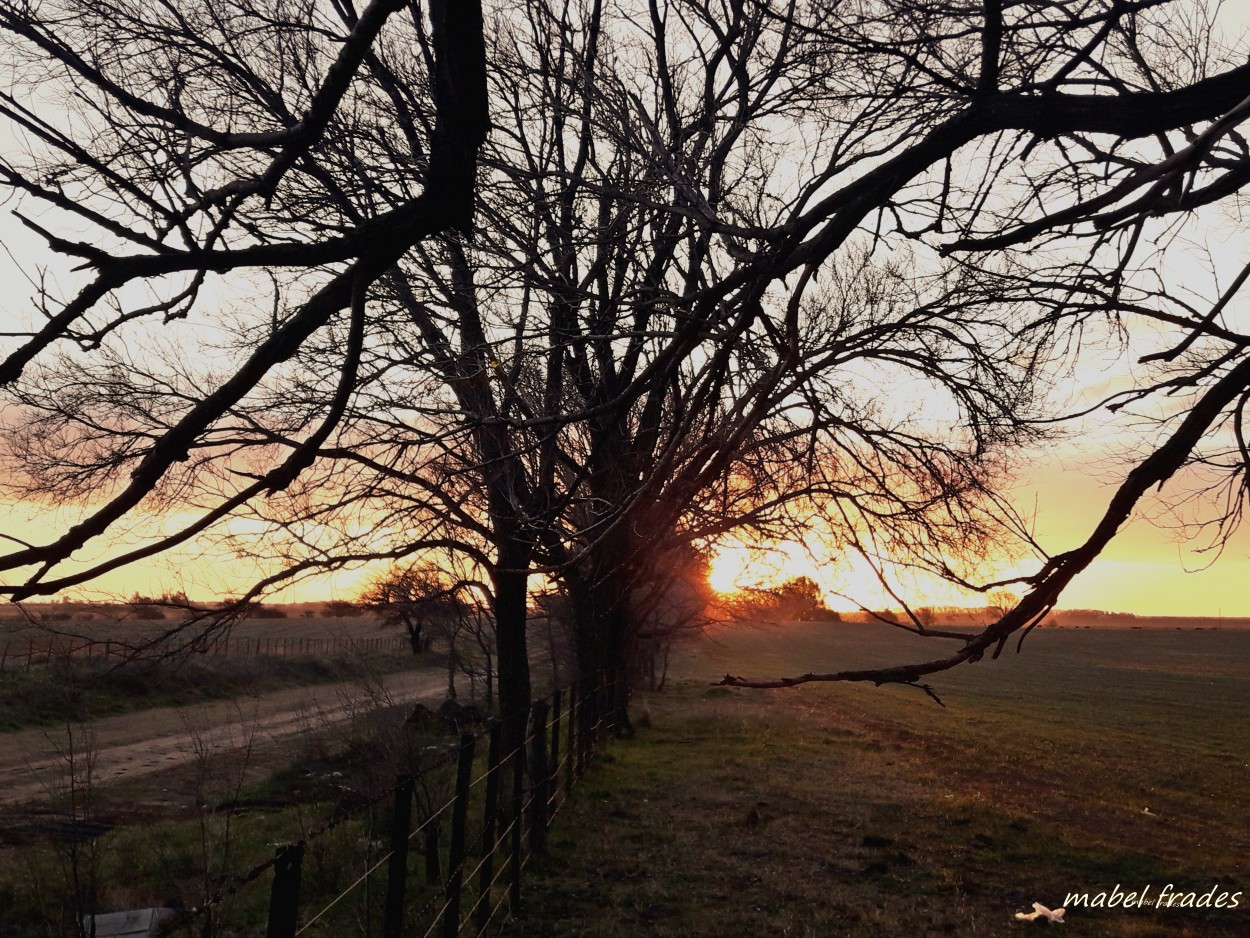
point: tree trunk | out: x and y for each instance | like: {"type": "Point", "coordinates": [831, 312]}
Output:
{"type": "Point", "coordinates": [414, 636]}
{"type": "Point", "coordinates": [553, 652]}
{"type": "Point", "coordinates": [599, 599]}
{"type": "Point", "coordinates": [659, 685]}
{"type": "Point", "coordinates": [511, 583]}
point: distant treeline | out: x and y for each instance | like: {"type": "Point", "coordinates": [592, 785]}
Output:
{"type": "Point", "coordinates": [1061, 618]}
{"type": "Point", "coordinates": [144, 607]}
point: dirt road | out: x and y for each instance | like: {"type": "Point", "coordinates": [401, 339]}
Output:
{"type": "Point", "coordinates": [35, 763]}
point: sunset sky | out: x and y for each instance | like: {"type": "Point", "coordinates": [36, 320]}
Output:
{"type": "Point", "coordinates": [1146, 570]}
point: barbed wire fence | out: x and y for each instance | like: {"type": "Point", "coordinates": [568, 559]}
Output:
{"type": "Point", "coordinates": [470, 880]}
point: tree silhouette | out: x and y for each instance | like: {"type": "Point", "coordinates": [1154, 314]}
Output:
{"type": "Point", "coordinates": [682, 287]}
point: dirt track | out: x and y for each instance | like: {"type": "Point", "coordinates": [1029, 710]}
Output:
{"type": "Point", "coordinates": [34, 763]}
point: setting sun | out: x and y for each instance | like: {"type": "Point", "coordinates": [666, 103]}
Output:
{"type": "Point", "coordinates": [727, 567]}
{"type": "Point", "coordinates": [735, 566]}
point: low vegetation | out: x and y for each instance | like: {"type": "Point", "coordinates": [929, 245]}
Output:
{"type": "Point", "coordinates": [219, 817]}
{"type": "Point", "coordinates": [73, 690]}
{"type": "Point", "coordinates": [1098, 759]}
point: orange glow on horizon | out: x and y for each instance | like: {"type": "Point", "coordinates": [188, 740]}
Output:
{"type": "Point", "coordinates": [1143, 570]}
{"type": "Point", "coordinates": [727, 567]}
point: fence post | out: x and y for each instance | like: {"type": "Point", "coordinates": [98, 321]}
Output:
{"type": "Point", "coordinates": [605, 703]}
{"type": "Point", "coordinates": [459, 813]}
{"type": "Point", "coordinates": [554, 784]}
{"type": "Point", "coordinates": [518, 821]}
{"type": "Point", "coordinates": [613, 704]}
{"type": "Point", "coordinates": [397, 867]}
{"type": "Point", "coordinates": [488, 826]}
{"type": "Point", "coordinates": [284, 894]}
{"type": "Point", "coordinates": [585, 724]}
{"type": "Point", "coordinates": [574, 717]}
{"type": "Point", "coordinates": [540, 774]}
{"type": "Point", "coordinates": [433, 865]}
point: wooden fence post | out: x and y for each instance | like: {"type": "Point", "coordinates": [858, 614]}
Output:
{"type": "Point", "coordinates": [613, 702]}
{"type": "Point", "coordinates": [284, 894]}
{"type": "Point", "coordinates": [518, 821]}
{"type": "Point", "coordinates": [601, 711]}
{"type": "Point", "coordinates": [490, 812]}
{"type": "Point", "coordinates": [397, 867]}
{"type": "Point", "coordinates": [554, 784]}
{"type": "Point", "coordinates": [459, 814]}
{"type": "Point", "coordinates": [574, 720]}
{"type": "Point", "coordinates": [585, 724]}
{"type": "Point", "coordinates": [539, 774]}
{"type": "Point", "coordinates": [433, 865]}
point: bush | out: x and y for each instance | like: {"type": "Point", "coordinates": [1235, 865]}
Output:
{"type": "Point", "coordinates": [341, 608]}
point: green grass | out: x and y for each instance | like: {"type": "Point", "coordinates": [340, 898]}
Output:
{"type": "Point", "coordinates": [826, 810]}
{"type": "Point", "coordinates": [159, 863]}
{"type": "Point", "coordinates": [846, 810]}
{"type": "Point", "coordinates": [123, 624]}
{"type": "Point", "coordinates": [77, 690]}
{"type": "Point", "coordinates": [227, 827]}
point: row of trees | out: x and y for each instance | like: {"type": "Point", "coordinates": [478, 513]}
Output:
{"type": "Point", "coordinates": [566, 288]}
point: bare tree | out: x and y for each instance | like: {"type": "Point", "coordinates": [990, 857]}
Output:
{"type": "Point", "coordinates": [414, 598]}
{"type": "Point", "coordinates": [440, 603]}
{"type": "Point", "coordinates": [670, 606]}
{"type": "Point", "coordinates": [677, 278]}
{"type": "Point", "coordinates": [192, 162]}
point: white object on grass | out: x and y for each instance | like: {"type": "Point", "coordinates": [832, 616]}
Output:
{"type": "Point", "coordinates": [1041, 912]}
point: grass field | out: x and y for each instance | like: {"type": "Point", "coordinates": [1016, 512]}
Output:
{"type": "Point", "coordinates": [82, 690]}
{"type": "Point", "coordinates": [1096, 759]}
{"type": "Point", "coordinates": [123, 624]}
{"type": "Point", "coordinates": [257, 655]}
{"type": "Point", "coordinates": [106, 849]}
